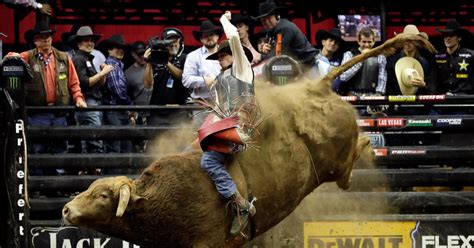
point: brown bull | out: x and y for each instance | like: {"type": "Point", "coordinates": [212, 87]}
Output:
{"type": "Point", "coordinates": [310, 138]}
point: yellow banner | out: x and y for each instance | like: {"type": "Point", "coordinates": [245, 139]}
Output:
{"type": "Point", "coordinates": [371, 234]}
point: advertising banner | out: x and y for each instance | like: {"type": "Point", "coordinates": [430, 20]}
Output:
{"type": "Point", "coordinates": [389, 234]}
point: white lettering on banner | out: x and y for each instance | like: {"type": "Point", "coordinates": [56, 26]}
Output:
{"type": "Point", "coordinates": [406, 152]}
{"type": "Point", "coordinates": [81, 241]}
{"type": "Point", "coordinates": [20, 159]}
{"type": "Point", "coordinates": [426, 121]}
{"type": "Point", "coordinates": [66, 243]}
{"type": "Point", "coordinates": [390, 122]}
{"type": "Point", "coordinates": [20, 189]}
{"type": "Point", "coordinates": [431, 97]}
{"type": "Point", "coordinates": [21, 203]}
{"type": "Point", "coordinates": [19, 141]}
{"type": "Point", "coordinates": [126, 244]}
{"type": "Point", "coordinates": [20, 216]}
{"type": "Point", "coordinates": [450, 121]}
{"type": "Point", "coordinates": [282, 68]}
{"type": "Point", "coordinates": [349, 98]}
{"type": "Point", "coordinates": [22, 230]}
{"type": "Point", "coordinates": [20, 174]}
{"type": "Point", "coordinates": [452, 241]}
{"type": "Point", "coordinates": [18, 127]}
{"type": "Point", "coordinates": [97, 243]}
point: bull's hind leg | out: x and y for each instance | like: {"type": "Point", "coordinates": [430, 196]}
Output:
{"type": "Point", "coordinates": [363, 143]}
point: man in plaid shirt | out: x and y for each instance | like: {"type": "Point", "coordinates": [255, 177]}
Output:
{"type": "Point", "coordinates": [368, 77]}
{"type": "Point", "coordinates": [115, 93]}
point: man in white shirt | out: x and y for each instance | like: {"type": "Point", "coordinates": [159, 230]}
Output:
{"type": "Point", "coordinates": [198, 72]}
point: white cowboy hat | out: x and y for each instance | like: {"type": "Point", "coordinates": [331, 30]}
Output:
{"type": "Point", "coordinates": [405, 69]}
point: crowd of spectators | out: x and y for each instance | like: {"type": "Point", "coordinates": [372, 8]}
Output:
{"type": "Point", "coordinates": [165, 74]}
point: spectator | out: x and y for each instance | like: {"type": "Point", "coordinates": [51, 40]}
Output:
{"type": "Point", "coordinates": [262, 39]}
{"type": "Point", "coordinates": [294, 43]}
{"type": "Point", "coordinates": [115, 93]}
{"type": "Point", "coordinates": [244, 26]}
{"type": "Point", "coordinates": [139, 94]}
{"type": "Point", "coordinates": [91, 83]}
{"type": "Point", "coordinates": [453, 73]}
{"type": "Point", "coordinates": [418, 84]}
{"type": "Point", "coordinates": [99, 57]}
{"type": "Point", "coordinates": [54, 83]}
{"type": "Point", "coordinates": [198, 72]}
{"type": "Point", "coordinates": [166, 81]}
{"type": "Point", "coordinates": [368, 77]}
{"type": "Point", "coordinates": [327, 57]}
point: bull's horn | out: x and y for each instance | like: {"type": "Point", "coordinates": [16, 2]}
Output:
{"type": "Point", "coordinates": [123, 200]}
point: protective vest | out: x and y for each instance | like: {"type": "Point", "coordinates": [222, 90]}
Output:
{"type": "Point", "coordinates": [366, 79]}
{"type": "Point", "coordinates": [36, 90]}
{"type": "Point", "coordinates": [230, 93]}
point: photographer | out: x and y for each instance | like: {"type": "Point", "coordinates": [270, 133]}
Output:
{"type": "Point", "coordinates": [163, 72]}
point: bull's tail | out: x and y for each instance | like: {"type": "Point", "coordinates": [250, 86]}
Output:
{"type": "Point", "coordinates": [387, 48]}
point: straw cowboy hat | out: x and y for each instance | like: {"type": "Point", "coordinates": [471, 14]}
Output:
{"type": "Point", "coordinates": [333, 33]}
{"type": "Point", "coordinates": [224, 47]}
{"type": "Point", "coordinates": [405, 69]}
{"type": "Point", "coordinates": [41, 27]}
{"type": "Point", "coordinates": [83, 32]}
{"type": "Point", "coordinates": [453, 26]}
{"type": "Point", "coordinates": [206, 27]}
{"type": "Point", "coordinates": [267, 8]}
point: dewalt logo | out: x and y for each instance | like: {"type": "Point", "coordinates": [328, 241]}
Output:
{"type": "Point", "coordinates": [374, 234]}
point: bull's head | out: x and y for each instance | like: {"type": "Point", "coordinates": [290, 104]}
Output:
{"type": "Point", "coordinates": [103, 204]}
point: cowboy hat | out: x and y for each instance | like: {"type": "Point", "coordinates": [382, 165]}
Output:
{"type": "Point", "coordinates": [453, 26]}
{"type": "Point", "coordinates": [333, 33]}
{"type": "Point", "coordinates": [41, 27]}
{"type": "Point", "coordinates": [65, 36]}
{"type": "Point", "coordinates": [83, 32]}
{"type": "Point", "coordinates": [224, 47]}
{"type": "Point", "coordinates": [405, 69]}
{"type": "Point", "coordinates": [267, 8]}
{"type": "Point", "coordinates": [238, 18]}
{"type": "Point", "coordinates": [138, 47]}
{"type": "Point", "coordinates": [115, 41]}
{"type": "Point", "coordinates": [206, 27]}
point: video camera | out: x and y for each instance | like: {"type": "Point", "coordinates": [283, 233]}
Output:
{"type": "Point", "coordinates": [159, 50]}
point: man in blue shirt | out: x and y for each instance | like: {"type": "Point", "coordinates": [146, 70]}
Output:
{"type": "Point", "coordinates": [115, 92]}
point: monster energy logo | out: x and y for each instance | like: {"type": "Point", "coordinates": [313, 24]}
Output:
{"type": "Point", "coordinates": [281, 80]}
{"type": "Point", "coordinates": [13, 83]}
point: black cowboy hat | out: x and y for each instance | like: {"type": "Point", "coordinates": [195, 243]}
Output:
{"type": "Point", "coordinates": [83, 32]}
{"type": "Point", "coordinates": [41, 27]}
{"type": "Point", "coordinates": [65, 36]}
{"type": "Point", "coordinates": [115, 41]}
{"type": "Point", "coordinates": [453, 26]}
{"type": "Point", "coordinates": [238, 18]}
{"type": "Point", "coordinates": [267, 8]}
{"type": "Point", "coordinates": [206, 27]}
{"type": "Point", "coordinates": [333, 33]}
{"type": "Point", "coordinates": [224, 47]}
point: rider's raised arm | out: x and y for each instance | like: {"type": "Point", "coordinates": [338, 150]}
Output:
{"type": "Point", "coordinates": [241, 66]}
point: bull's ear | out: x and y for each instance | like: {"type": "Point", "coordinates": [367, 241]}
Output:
{"type": "Point", "coordinates": [123, 200]}
{"type": "Point", "coordinates": [138, 201]}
